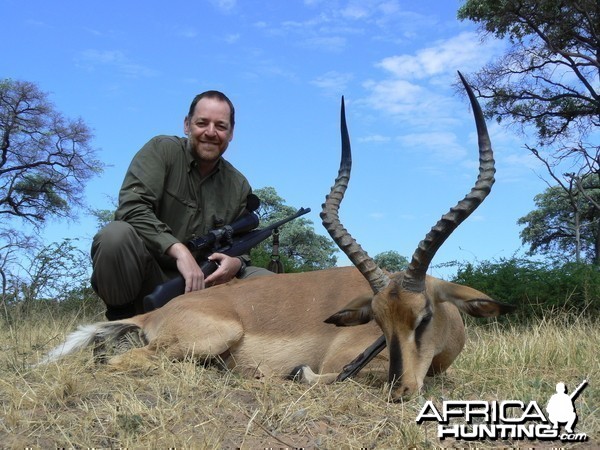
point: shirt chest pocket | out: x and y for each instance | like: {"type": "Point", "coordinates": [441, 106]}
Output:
{"type": "Point", "coordinates": [181, 214]}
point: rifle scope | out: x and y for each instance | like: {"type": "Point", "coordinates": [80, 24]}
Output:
{"type": "Point", "coordinates": [220, 237]}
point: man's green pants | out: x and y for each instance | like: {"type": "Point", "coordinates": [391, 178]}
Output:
{"type": "Point", "coordinates": [124, 271]}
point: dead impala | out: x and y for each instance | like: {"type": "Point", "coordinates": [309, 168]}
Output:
{"type": "Point", "coordinates": [280, 325]}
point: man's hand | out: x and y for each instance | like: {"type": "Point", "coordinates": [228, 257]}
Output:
{"type": "Point", "coordinates": [228, 268]}
{"type": "Point", "coordinates": [187, 267]}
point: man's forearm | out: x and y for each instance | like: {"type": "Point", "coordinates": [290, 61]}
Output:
{"type": "Point", "coordinates": [187, 266]}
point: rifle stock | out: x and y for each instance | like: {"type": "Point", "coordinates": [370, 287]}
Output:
{"type": "Point", "coordinates": [165, 292]}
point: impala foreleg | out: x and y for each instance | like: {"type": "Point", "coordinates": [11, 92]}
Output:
{"type": "Point", "coordinates": [304, 374]}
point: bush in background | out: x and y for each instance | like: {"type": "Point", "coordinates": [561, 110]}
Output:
{"type": "Point", "coordinates": [537, 288]}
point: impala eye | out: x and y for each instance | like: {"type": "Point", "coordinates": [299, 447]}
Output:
{"type": "Point", "coordinates": [425, 320]}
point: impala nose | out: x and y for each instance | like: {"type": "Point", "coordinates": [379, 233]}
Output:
{"type": "Point", "coordinates": [405, 391]}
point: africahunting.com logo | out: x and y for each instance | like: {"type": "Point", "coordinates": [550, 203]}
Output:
{"type": "Point", "coordinates": [510, 419]}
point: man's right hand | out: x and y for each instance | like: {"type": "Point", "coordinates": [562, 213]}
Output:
{"type": "Point", "coordinates": [187, 267]}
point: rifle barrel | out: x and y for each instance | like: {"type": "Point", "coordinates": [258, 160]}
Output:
{"type": "Point", "coordinates": [298, 213]}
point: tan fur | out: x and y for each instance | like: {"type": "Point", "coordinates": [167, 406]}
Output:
{"type": "Point", "coordinates": [270, 325]}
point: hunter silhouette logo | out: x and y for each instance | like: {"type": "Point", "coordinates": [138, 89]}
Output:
{"type": "Point", "coordinates": [508, 419]}
{"type": "Point", "coordinates": [561, 408]}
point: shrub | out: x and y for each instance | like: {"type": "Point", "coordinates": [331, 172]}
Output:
{"type": "Point", "coordinates": [536, 288]}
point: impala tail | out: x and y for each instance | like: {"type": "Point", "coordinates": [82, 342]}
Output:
{"type": "Point", "coordinates": [87, 335]}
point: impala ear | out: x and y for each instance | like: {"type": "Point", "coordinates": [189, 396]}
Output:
{"type": "Point", "coordinates": [357, 312]}
{"type": "Point", "coordinates": [468, 300]}
{"type": "Point", "coordinates": [484, 307]}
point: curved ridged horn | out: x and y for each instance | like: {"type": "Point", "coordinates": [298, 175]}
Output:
{"type": "Point", "coordinates": [331, 221]}
{"type": "Point", "coordinates": [414, 280]}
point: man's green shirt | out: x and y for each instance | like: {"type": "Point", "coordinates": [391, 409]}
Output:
{"type": "Point", "coordinates": [166, 200]}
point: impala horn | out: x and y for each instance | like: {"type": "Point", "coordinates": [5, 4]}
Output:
{"type": "Point", "coordinates": [414, 279]}
{"type": "Point", "coordinates": [331, 221]}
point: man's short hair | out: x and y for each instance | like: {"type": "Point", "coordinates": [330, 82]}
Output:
{"type": "Point", "coordinates": [215, 95]}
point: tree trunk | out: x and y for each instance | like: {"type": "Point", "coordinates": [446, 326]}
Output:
{"type": "Point", "coordinates": [596, 234]}
{"type": "Point", "coordinates": [577, 233]}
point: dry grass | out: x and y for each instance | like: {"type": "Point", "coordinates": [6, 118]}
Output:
{"type": "Point", "coordinates": [76, 403]}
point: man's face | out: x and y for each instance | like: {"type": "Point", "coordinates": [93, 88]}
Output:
{"type": "Point", "coordinates": [209, 130]}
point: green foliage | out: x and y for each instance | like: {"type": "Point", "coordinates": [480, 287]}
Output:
{"type": "Point", "coordinates": [45, 162]}
{"type": "Point", "coordinates": [301, 249]}
{"type": "Point", "coordinates": [38, 191]}
{"type": "Point", "coordinates": [505, 18]}
{"type": "Point", "coordinates": [81, 303]}
{"type": "Point", "coordinates": [392, 261]}
{"type": "Point", "coordinates": [103, 216]}
{"type": "Point", "coordinates": [538, 289]}
{"type": "Point", "coordinates": [54, 281]}
{"type": "Point", "coordinates": [547, 78]}
{"type": "Point", "coordinates": [565, 225]}
{"type": "Point", "coordinates": [547, 82]}
{"type": "Point", "coordinates": [45, 158]}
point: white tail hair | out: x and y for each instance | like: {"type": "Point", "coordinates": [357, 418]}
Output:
{"type": "Point", "coordinates": [86, 335]}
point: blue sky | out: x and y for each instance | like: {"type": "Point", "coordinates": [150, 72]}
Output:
{"type": "Point", "coordinates": [131, 68]}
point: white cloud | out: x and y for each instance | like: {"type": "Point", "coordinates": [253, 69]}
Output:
{"type": "Point", "coordinates": [331, 43]}
{"type": "Point", "coordinates": [336, 22]}
{"type": "Point", "coordinates": [91, 59]}
{"type": "Point", "coordinates": [443, 145]}
{"type": "Point", "coordinates": [416, 88]}
{"type": "Point", "coordinates": [232, 38]}
{"type": "Point", "coordinates": [333, 82]}
{"type": "Point", "coordinates": [188, 33]}
{"type": "Point", "coordinates": [389, 7]}
{"type": "Point", "coordinates": [370, 9]}
{"type": "Point", "coordinates": [375, 138]}
{"type": "Point", "coordinates": [462, 52]}
{"type": "Point", "coordinates": [355, 12]}
{"type": "Point", "coordinates": [225, 6]}
{"type": "Point", "coordinates": [393, 96]}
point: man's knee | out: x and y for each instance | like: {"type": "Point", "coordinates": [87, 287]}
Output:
{"type": "Point", "coordinates": [120, 263]}
{"type": "Point", "coordinates": [253, 272]}
{"type": "Point", "coordinates": [114, 236]}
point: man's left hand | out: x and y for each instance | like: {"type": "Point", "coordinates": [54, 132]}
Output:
{"type": "Point", "coordinates": [228, 268]}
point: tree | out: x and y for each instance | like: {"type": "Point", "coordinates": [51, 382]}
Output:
{"type": "Point", "coordinates": [392, 261]}
{"type": "Point", "coordinates": [52, 272]}
{"type": "Point", "coordinates": [301, 249]}
{"type": "Point", "coordinates": [548, 81]}
{"type": "Point", "coordinates": [54, 276]}
{"type": "Point", "coordinates": [548, 77]}
{"type": "Point", "coordinates": [12, 244]}
{"type": "Point", "coordinates": [564, 225]}
{"type": "Point", "coordinates": [45, 162]}
{"type": "Point", "coordinates": [539, 289]}
{"type": "Point", "coordinates": [103, 216]}
{"type": "Point", "coordinates": [45, 159]}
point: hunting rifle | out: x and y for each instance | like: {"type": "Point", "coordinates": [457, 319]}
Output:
{"type": "Point", "coordinates": [578, 390]}
{"type": "Point", "coordinates": [234, 239]}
